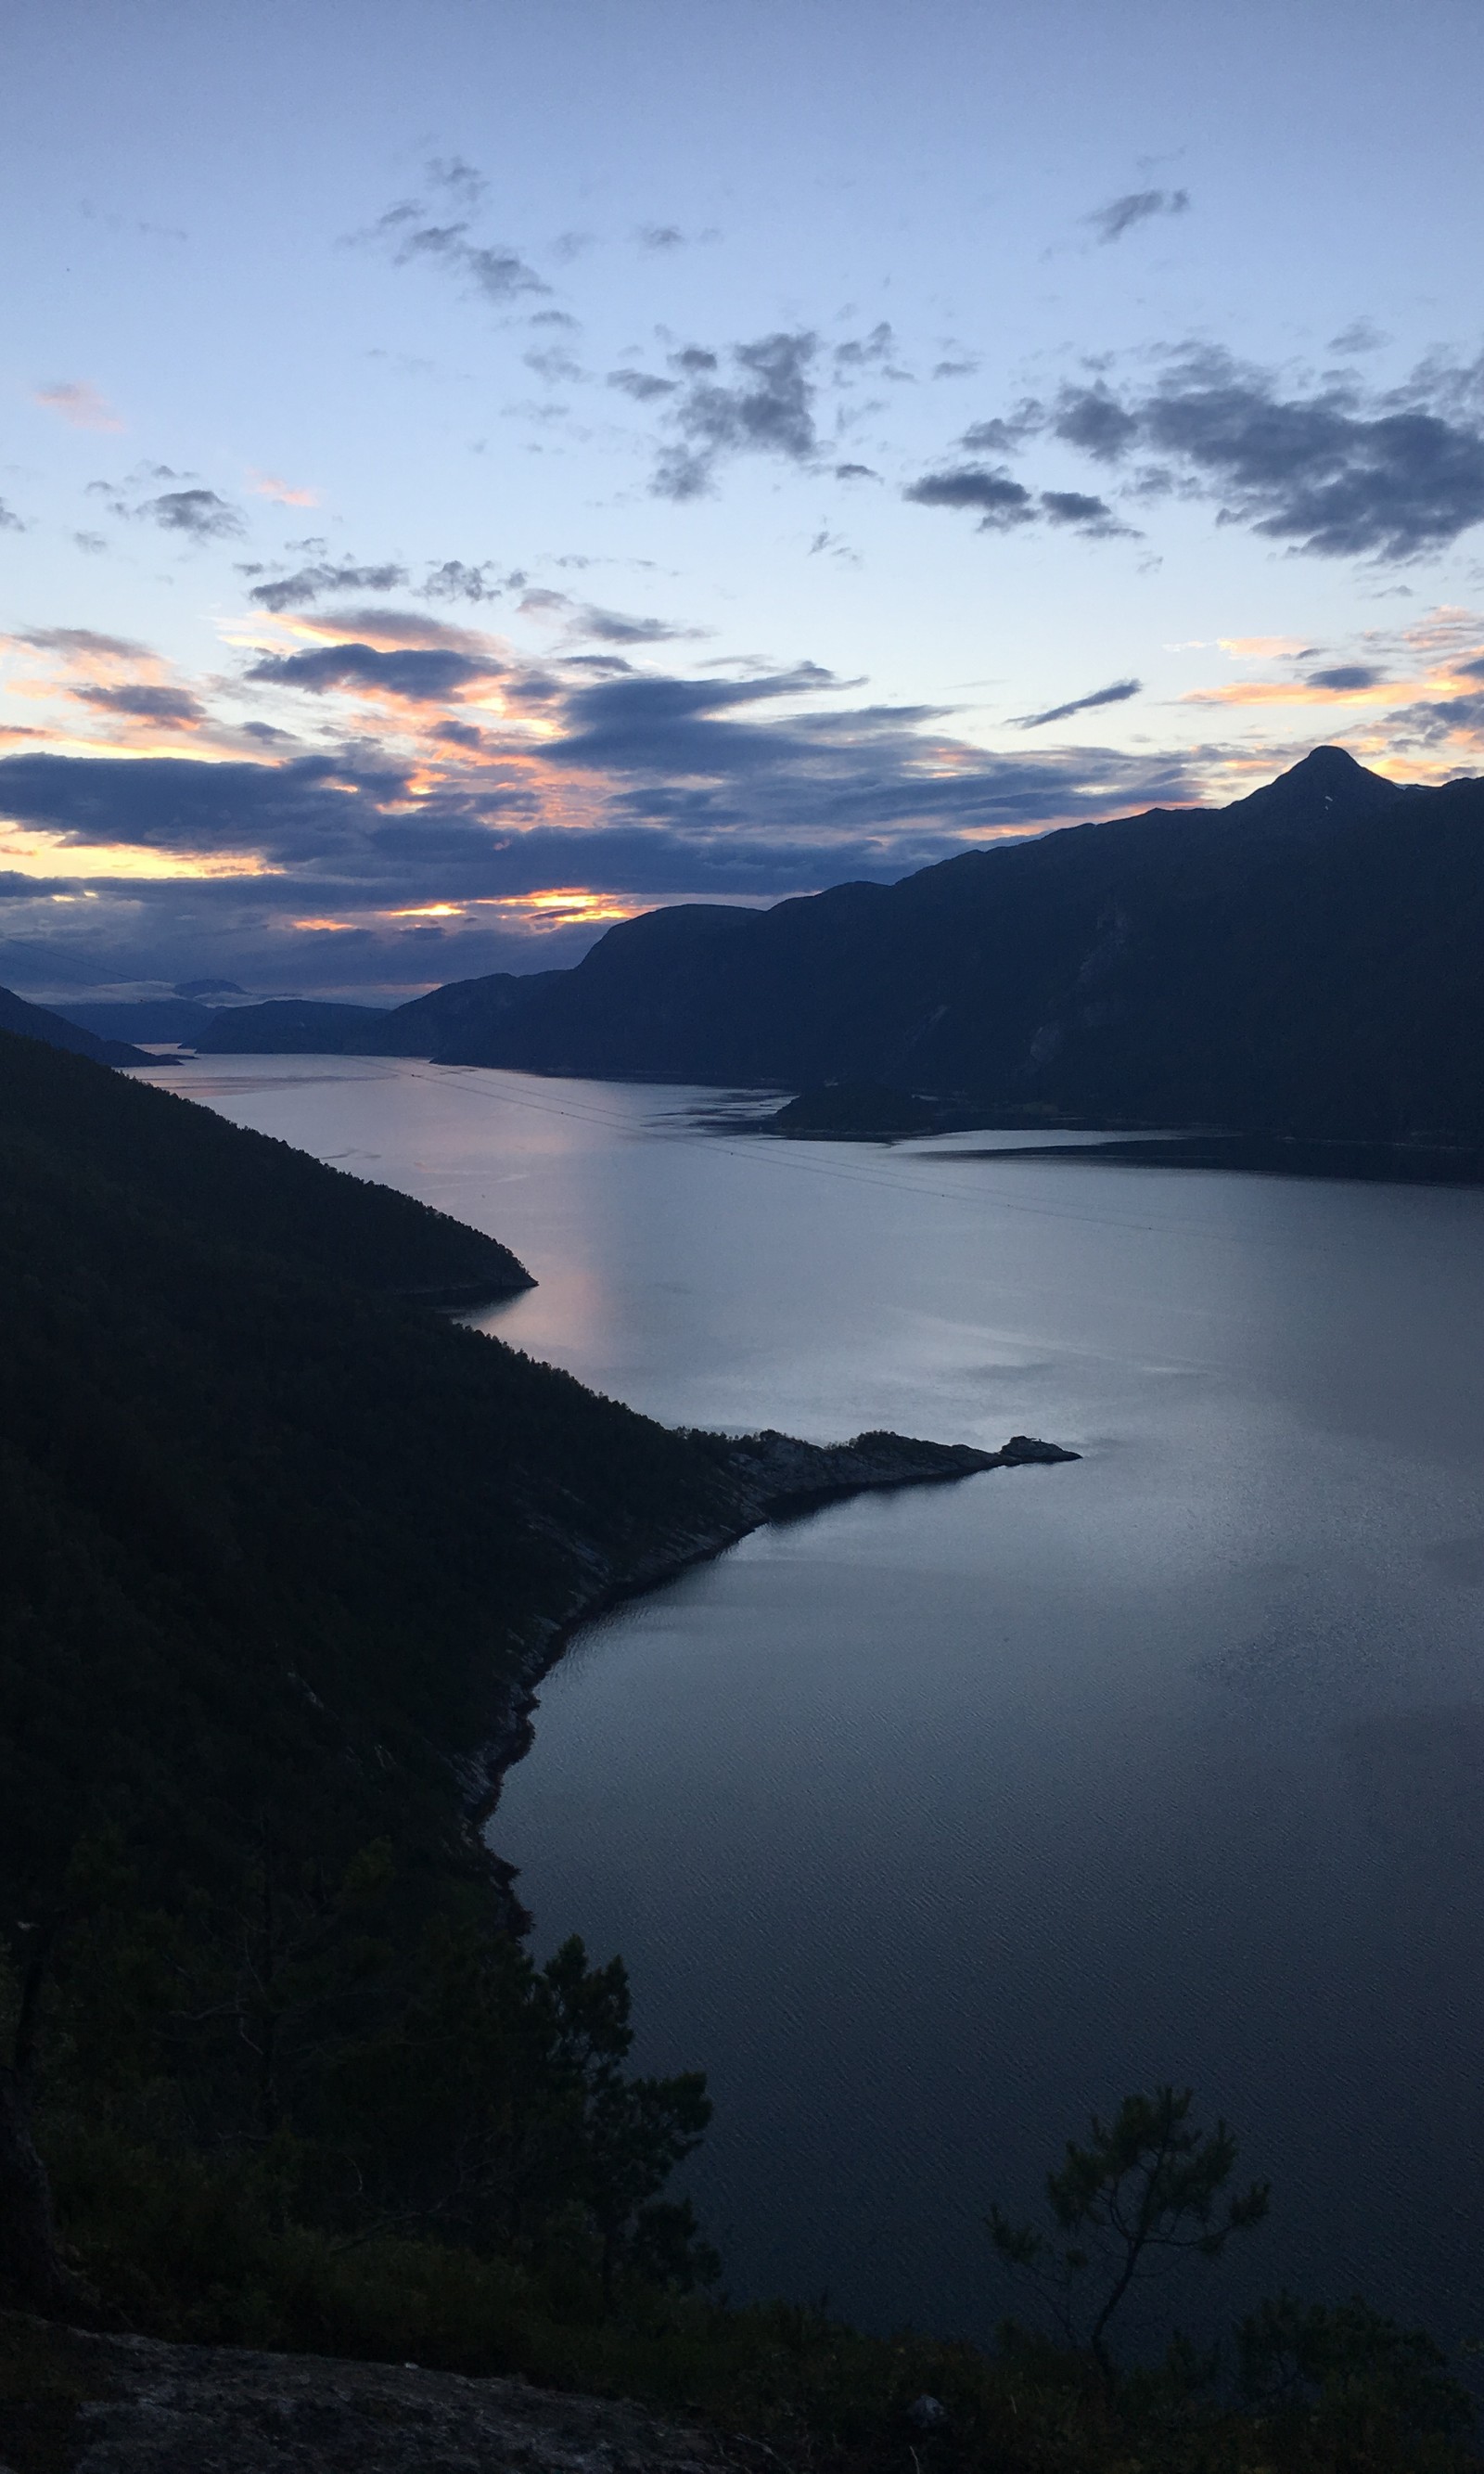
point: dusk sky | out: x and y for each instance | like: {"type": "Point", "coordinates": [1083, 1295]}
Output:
{"type": "Point", "coordinates": [470, 472]}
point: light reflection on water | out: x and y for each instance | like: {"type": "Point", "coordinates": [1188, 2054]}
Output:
{"type": "Point", "coordinates": [931, 1821]}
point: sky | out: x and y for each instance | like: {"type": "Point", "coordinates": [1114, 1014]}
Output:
{"type": "Point", "coordinates": [474, 472]}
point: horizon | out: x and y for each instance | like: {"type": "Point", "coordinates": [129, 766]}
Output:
{"type": "Point", "coordinates": [436, 529]}
{"type": "Point", "coordinates": [227, 996]}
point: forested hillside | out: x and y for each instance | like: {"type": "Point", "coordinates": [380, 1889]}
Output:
{"type": "Point", "coordinates": [273, 1533]}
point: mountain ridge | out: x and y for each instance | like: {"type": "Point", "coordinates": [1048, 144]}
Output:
{"type": "Point", "coordinates": [1300, 963]}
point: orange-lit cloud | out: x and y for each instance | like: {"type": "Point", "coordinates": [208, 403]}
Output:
{"type": "Point", "coordinates": [29, 851]}
{"type": "Point", "coordinates": [387, 631]}
{"type": "Point", "coordinates": [559, 904]}
{"type": "Point", "coordinates": [135, 703]}
{"type": "Point", "coordinates": [1351, 688]}
{"type": "Point", "coordinates": [1263, 691]}
{"type": "Point", "coordinates": [267, 485]}
{"type": "Point", "coordinates": [62, 655]}
{"type": "Point", "coordinates": [554, 906]}
{"type": "Point", "coordinates": [1260, 648]}
{"type": "Point", "coordinates": [77, 403]}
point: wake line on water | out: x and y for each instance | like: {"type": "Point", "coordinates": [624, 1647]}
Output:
{"type": "Point", "coordinates": [791, 1155]}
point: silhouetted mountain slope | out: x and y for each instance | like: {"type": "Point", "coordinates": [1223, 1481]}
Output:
{"type": "Point", "coordinates": [279, 1545]}
{"type": "Point", "coordinates": [288, 1027]}
{"type": "Point", "coordinates": [1306, 961]}
{"type": "Point", "coordinates": [144, 1018]}
{"type": "Point", "coordinates": [160, 1154]}
{"type": "Point", "coordinates": [269, 1541]}
{"type": "Point", "coordinates": [37, 1022]}
{"type": "Point", "coordinates": [441, 1022]}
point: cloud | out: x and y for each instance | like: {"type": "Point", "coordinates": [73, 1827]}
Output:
{"type": "Point", "coordinates": [1361, 335]}
{"type": "Point", "coordinates": [383, 625]}
{"type": "Point", "coordinates": [769, 410]}
{"type": "Point", "coordinates": [79, 403]}
{"type": "Point", "coordinates": [1002, 504]}
{"type": "Point", "coordinates": [145, 703]}
{"type": "Point", "coordinates": [266, 485]}
{"type": "Point", "coordinates": [498, 273]}
{"type": "Point", "coordinates": [1329, 470]}
{"type": "Point", "coordinates": [1091, 515]}
{"type": "Point", "coordinates": [453, 581]}
{"type": "Point", "coordinates": [300, 590]}
{"type": "Point", "coordinates": [10, 521]}
{"type": "Point", "coordinates": [1137, 206]}
{"type": "Point", "coordinates": [1093, 418]}
{"type": "Point", "coordinates": [461, 179]}
{"type": "Point", "coordinates": [418, 677]}
{"type": "Point", "coordinates": [644, 388]}
{"type": "Point", "coordinates": [586, 620]}
{"type": "Point", "coordinates": [1347, 677]}
{"type": "Point", "coordinates": [200, 514]}
{"type": "Point", "coordinates": [194, 510]}
{"type": "Point", "coordinates": [999, 501]}
{"type": "Point", "coordinates": [875, 351]}
{"type": "Point", "coordinates": [647, 783]}
{"type": "Point", "coordinates": [659, 236]}
{"type": "Point", "coordinates": [556, 365]}
{"type": "Point", "coordinates": [1118, 693]}
{"type": "Point", "coordinates": [78, 644]}
{"type": "Point", "coordinates": [855, 472]}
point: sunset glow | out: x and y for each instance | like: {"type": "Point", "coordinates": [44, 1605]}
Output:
{"type": "Point", "coordinates": [487, 553]}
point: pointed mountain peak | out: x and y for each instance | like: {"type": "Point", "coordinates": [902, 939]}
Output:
{"type": "Point", "coordinates": [1337, 762]}
{"type": "Point", "coordinates": [1327, 782]}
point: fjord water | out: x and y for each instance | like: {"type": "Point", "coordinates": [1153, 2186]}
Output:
{"type": "Point", "coordinates": [932, 1821]}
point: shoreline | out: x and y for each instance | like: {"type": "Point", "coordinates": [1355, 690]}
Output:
{"type": "Point", "coordinates": [770, 1477]}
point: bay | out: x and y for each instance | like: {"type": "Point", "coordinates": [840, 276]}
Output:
{"type": "Point", "coordinates": [932, 1822]}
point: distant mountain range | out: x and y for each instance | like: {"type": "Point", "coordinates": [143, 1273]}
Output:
{"type": "Point", "coordinates": [1306, 961]}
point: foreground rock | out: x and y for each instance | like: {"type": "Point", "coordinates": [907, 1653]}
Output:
{"type": "Point", "coordinates": [139, 2407]}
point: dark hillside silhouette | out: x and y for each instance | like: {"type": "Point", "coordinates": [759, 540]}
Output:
{"type": "Point", "coordinates": [1303, 961]}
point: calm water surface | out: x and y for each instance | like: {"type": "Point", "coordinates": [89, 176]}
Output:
{"type": "Point", "coordinates": [933, 1821]}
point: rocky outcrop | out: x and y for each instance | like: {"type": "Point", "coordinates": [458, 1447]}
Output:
{"type": "Point", "coordinates": [784, 1475]}
{"type": "Point", "coordinates": [147, 2408]}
